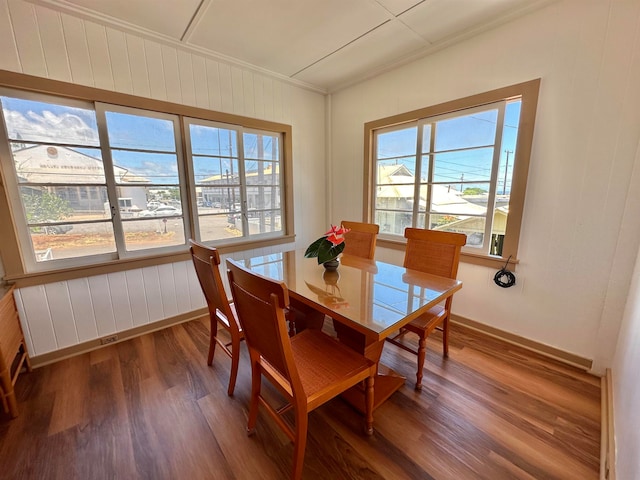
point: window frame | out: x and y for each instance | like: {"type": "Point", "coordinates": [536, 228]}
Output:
{"type": "Point", "coordinates": [17, 270]}
{"type": "Point", "coordinates": [527, 92]}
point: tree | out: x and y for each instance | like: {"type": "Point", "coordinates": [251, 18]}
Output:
{"type": "Point", "coordinates": [474, 191]}
{"type": "Point", "coordinates": [43, 206]}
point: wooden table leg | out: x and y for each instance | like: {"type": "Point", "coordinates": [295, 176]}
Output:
{"type": "Point", "coordinates": [386, 382]}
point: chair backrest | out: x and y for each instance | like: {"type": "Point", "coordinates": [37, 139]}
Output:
{"type": "Point", "coordinates": [206, 261]}
{"type": "Point", "coordinates": [360, 241]}
{"type": "Point", "coordinates": [433, 251]}
{"type": "Point", "coordinates": [260, 304]}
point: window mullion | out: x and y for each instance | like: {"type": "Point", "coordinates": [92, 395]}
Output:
{"type": "Point", "coordinates": [112, 192]}
{"type": "Point", "coordinates": [491, 201]}
{"type": "Point", "coordinates": [432, 147]}
{"type": "Point", "coordinates": [242, 183]}
{"type": "Point", "coordinates": [417, 177]}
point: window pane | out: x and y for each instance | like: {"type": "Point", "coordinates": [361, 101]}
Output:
{"type": "Point", "coordinates": [71, 203]}
{"type": "Point", "coordinates": [263, 197]}
{"type": "Point", "coordinates": [473, 227]}
{"type": "Point", "coordinates": [72, 240]}
{"type": "Point", "coordinates": [261, 146]}
{"type": "Point", "coordinates": [213, 141]}
{"type": "Point", "coordinates": [215, 170]}
{"type": "Point", "coordinates": [463, 166]}
{"type": "Point", "coordinates": [218, 227]}
{"type": "Point", "coordinates": [264, 222]}
{"type": "Point", "coordinates": [474, 130]}
{"type": "Point", "coordinates": [140, 132]}
{"type": "Point", "coordinates": [391, 172]}
{"type": "Point", "coordinates": [57, 164]}
{"type": "Point", "coordinates": [141, 234]}
{"type": "Point", "coordinates": [28, 120]}
{"type": "Point", "coordinates": [392, 222]}
{"type": "Point", "coordinates": [262, 173]}
{"type": "Point", "coordinates": [147, 168]}
{"type": "Point", "coordinates": [397, 143]}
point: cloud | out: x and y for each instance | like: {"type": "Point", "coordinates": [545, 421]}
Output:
{"type": "Point", "coordinates": [66, 128]}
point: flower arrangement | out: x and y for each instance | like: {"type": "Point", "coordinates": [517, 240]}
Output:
{"type": "Point", "coordinates": [329, 246]}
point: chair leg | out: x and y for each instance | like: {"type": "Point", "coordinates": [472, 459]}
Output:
{"type": "Point", "coordinates": [235, 361]}
{"type": "Point", "coordinates": [422, 353]}
{"type": "Point", "coordinates": [300, 443]}
{"type": "Point", "coordinates": [212, 342]}
{"type": "Point", "coordinates": [445, 337]}
{"type": "Point", "coordinates": [369, 405]}
{"type": "Point", "coordinates": [256, 379]}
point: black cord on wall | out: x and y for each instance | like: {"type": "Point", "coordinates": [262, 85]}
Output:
{"type": "Point", "coordinates": [503, 277]}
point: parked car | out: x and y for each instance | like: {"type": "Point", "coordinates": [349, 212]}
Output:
{"type": "Point", "coordinates": [162, 211]}
{"type": "Point", "coordinates": [56, 229]}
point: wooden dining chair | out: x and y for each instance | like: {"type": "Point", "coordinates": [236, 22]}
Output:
{"type": "Point", "coordinates": [206, 261]}
{"type": "Point", "coordinates": [360, 240]}
{"type": "Point", "coordinates": [308, 369]}
{"type": "Point", "coordinates": [437, 253]}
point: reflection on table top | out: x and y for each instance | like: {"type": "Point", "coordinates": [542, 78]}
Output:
{"type": "Point", "coordinates": [373, 297]}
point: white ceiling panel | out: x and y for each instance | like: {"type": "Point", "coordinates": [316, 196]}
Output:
{"type": "Point", "coordinates": [166, 17]}
{"type": "Point", "coordinates": [371, 53]}
{"type": "Point", "coordinates": [437, 20]}
{"type": "Point", "coordinates": [398, 6]}
{"type": "Point", "coordinates": [318, 44]}
{"type": "Point", "coordinates": [284, 35]}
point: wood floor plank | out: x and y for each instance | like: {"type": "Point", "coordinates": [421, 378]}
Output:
{"type": "Point", "coordinates": [151, 408]}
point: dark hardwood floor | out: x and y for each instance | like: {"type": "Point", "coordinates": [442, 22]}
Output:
{"type": "Point", "coordinates": [150, 408]}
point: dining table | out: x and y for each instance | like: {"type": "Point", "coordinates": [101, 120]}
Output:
{"type": "Point", "coordinates": [368, 300]}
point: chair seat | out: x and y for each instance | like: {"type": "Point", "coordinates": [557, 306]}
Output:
{"type": "Point", "coordinates": [428, 321]}
{"type": "Point", "coordinates": [322, 361]}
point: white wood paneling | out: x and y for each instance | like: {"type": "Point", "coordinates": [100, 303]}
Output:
{"type": "Point", "coordinates": [102, 305]}
{"type": "Point", "coordinates": [99, 56]}
{"type": "Point", "coordinates": [139, 306]}
{"type": "Point", "coordinates": [82, 309]}
{"type": "Point", "coordinates": [213, 85]}
{"type": "Point", "coordinates": [181, 282]}
{"type": "Point", "coordinates": [155, 68]}
{"type": "Point", "coordinates": [200, 81]}
{"type": "Point", "coordinates": [9, 52]}
{"type": "Point", "coordinates": [152, 293]}
{"type": "Point", "coordinates": [55, 50]}
{"type": "Point", "coordinates": [168, 290]}
{"type": "Point", "coordinates": [187, 84]}
{"type": "Point", "coordinates": [119, 293]}
{"type": "Point", "coordinates": [171, 75]}
{"type": "Point", "coordinates": [61, 314]}
{"type": "Point", "coordinates": [28, 39]}
{"type": "Point", "coordinates": [138, 66]}
{"type": "Point", "coordinates": [119, 58]}
{"type": "Point", "coordinates": [226, 92]}
{"type": "Point", "coordinates": [77, 50]}
{"type": "Point", "coordinates": [36, 314]}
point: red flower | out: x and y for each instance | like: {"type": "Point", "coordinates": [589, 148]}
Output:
{"type": "Point", "coordinates": [336, 235]}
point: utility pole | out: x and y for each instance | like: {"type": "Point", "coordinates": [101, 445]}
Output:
{"type": "Point", "coordinates": [506, 169]}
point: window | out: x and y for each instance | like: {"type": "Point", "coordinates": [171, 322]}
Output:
{"type": "Point", "coordinates": [458, 167]}
{"type": "Point", "coordinates": [237, 178]}
{"type": "Point", "coordinates": [90, 182]}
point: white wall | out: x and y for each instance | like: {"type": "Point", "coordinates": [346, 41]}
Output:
{"type": "Point", "coordinates": [578, 242]}
{"type": "Point", "coordinates": [626, 386]}
{"type": "Point", "coordinates": [38, 41]}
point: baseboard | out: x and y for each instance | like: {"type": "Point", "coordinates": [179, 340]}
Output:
{"type": "Point", "coordinates": [57, 355]}
{"type": "Point", "coordinates": [552, 352]}
{"type": "Point", "coordinates": [607, 434]}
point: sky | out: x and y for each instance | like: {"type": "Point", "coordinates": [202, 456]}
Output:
{"type": "Point", "coordinates": [463, 147]}
{"type": "Point", "coordinates": [36, 121]}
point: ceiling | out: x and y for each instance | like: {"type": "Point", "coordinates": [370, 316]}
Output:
{"type": "Point", "coordinates": [321, 44]}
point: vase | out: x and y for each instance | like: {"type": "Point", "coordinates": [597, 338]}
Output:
{"type": "Point", "coordinates": [331, 265]}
